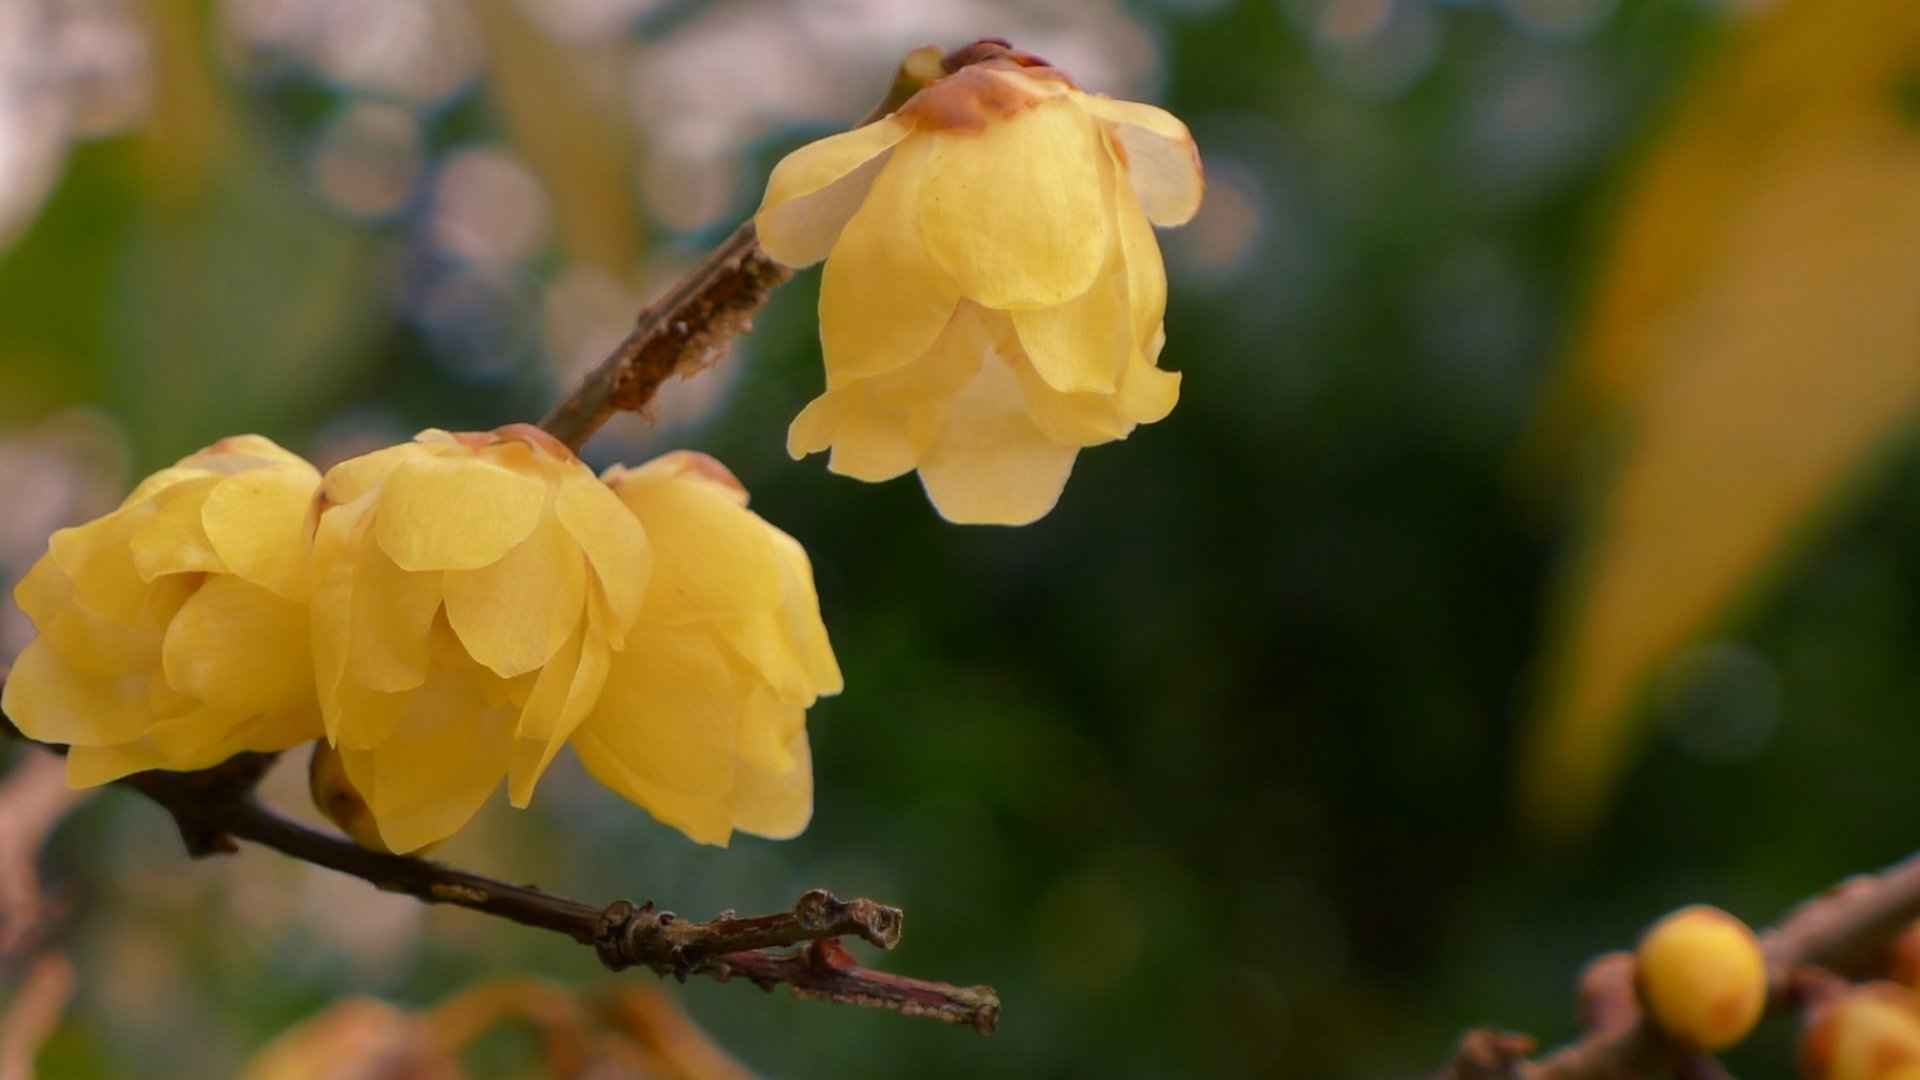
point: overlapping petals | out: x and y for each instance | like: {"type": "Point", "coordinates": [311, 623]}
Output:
{"type": "Point", "coordinates": [703, 717]}
{"type": "Point", "coordinates": [172, 633]}
{"type": "Point", "coordinates": [993, 297]}
{"type": "Point", "coordinates": [469, 591]}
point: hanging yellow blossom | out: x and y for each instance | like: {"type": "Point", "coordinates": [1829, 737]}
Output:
{"type": "Point", "coordinates": [173, 631]}
{"type": "Point", "coordinates": [469, 592]}
{"type": "Point", "coordinates": [703, 720]}
{"type": "Point", "coordinates": [993, 296]}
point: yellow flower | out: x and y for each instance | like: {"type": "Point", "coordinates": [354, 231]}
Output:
{"type": "Point", "coordinates": [703, 720]}
{"type": "Point", "coordinates": [469, 592]}
{"type": "Point", "coordinates": [173, 631]}
{"type": "Point", "coordinates": [993, 295]}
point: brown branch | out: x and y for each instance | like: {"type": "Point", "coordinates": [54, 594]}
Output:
{"type": "Point", "coordinates": [681, 333]}
{"type": "Point", "coordinates": [33, 1014]}
{"type": "Point", "coordinates": [1846, 931]}
{"type": "Point", "coordinates": [689, 327]}
{"type": "Point", "coordinates": [215, 807]}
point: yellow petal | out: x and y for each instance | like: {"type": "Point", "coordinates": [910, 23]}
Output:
{"type": "Point", "coordinates": [1146, 271]}
{"type": "Point", "coordinates": [238, 647]}
{"type": "Point", "coordinates": [455, 513]}
{"type": "Point", "coordinates": [615, 545]}
{"type": "Point", "coordinates": [90, 766]}
{"type": "Point", "coordinates": [711, 556]}
{"type": "Point", "coordinates": [517, 612]}
{"type": "Point", "coordinates": [98, 560]}
{"type": "Point", "coordinates": [388, 642]}
{"type": "Point", "coordinates": [438, 764]}
{"type": "Point", "coordinates": [1014, 212]}
{"type": "Point", "coordinates": [162, 480]}
{"type": "Point", "coordinates": [992, 465]}
{"type": "Point", "coordinates": [801, 613]}
{"type": "Point", "coordinates": [777, 804]}
{"type": "Point", "coordinates": [1163, 162]}
{"type": "Point", "coordinates": [879, 427]}
{"type": "Point", "coordinates": [883, 299]}
{"type": "Point", "coordinates": [239, 453]}
{"type": "Point", "coordinates": [663, 733]}
{"type": "Point", "coordinates": [50, 701]}
{"type": "Point", "coordinates": [1148, 394]}
{"type": "Point", "coordinates": [1082, 346]}
{"type": "Point", "coordinates": [815, 189]}
{"type": "Point", "coordinates": [91, 645]}
{"type": "Point", "coordinates": [357, 476]}
{"type": "Point", "coordinates": [167, 535]}
{"type": "Point", "coordinates": [331, 607]}
{"type": "Point", "coordinates": [565, 692]}
{"type": "Point", "coordinates": [258, 524]}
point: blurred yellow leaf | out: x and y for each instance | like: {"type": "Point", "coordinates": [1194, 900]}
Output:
{"type": "Point", "coordinates": [573, 136]}
{"type": "Point", "coordinates": [1757, 331]}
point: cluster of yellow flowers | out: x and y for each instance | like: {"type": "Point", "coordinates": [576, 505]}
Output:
{"type": "Point", "coordinates": [450, 612]}
{"type": "Point", "coordinates": [447, 613]}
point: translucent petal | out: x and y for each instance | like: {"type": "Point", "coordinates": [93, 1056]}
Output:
{"type": "Point", "coordinates": [48, 700]}
{"type": "Point", "coordinates": [1071, 419]}
{"type": "Point", "coordinates": [992, 465]}
{"type": "Point", "coordinates": [1163, 162]}
{"type": "Point", "coordinates": [777, 804]}
{"type": "Point", "coordinates": [515, 613]}
{"type": "Point", "coordinates": [356, 476]}
{"type": "Point", "coordinates": [167, 537]}
{"type": "Point", "coordinates": [711, 556]}
{"type": "Point", "coordinates": [883, 300]}
{"type": "Point", "coordinates": [615, 545]}
{"type": "Point", "coordinates": [801, 614]}
{"type": "Point", "coordinates": [1146, 271]}
{"type": "Point", "coordinates": [1148, 394]}
{"type": "Point", "coordinates": [663, 733]}
{"type": "Point", "coordinates": [330, 609]}
{"type": "Point", "coordinates": [879, 427]}
{"type": "Point", "coordinates": [91, 645]}
{"type": "Point", "coordinates": [89, 766]}
{"type": "Point", "coordinates": [1014, 212]}
{"type": "Point", "coordinates": [258, 524]}
{"type": "Point", "coordinates": [1083, 345]}
{"type": "Point", "coordinates": [815, 189]}
{"type": "Point", "coordinates": [97, 559]}
{"type": "Point", "coordinates": [455, 513]}
{"type": "Point", "coordinates": [238, 647]}
{"type": "Point", "coordinates": [392, 613]}
{"type": "Point", "coordinates": [438, 764]}
{"type": "Point", "coordinates": [567, 689]}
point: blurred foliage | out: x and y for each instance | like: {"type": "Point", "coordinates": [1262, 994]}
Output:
{"type": "Point", "coordinates": [1211, 771]}
{"type": "Point", "coordinates": [1755, 337]}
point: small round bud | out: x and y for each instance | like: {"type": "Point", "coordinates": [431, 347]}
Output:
{"type": "Point", "coordinates": [1702, 978]}
{"type": "Point", "coordinates": [1871, 1033]}
{"type": "Point", "coordinates": [335, 796]}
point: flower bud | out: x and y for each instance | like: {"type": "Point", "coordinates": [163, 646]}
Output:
{"type": "Point", "coordinates": [172, 633]}
{"type": "Point", "coordinates": [335, 796]}
{"type": "Point", "coordinates": [1871, 1033]}
{"type": "Point", "coordinates": [1702, 977]}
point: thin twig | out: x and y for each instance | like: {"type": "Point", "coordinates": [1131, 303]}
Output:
{"type": "Point", "coordinates": [33, 1014]}
{"type": "Point", "coordinates": [215, 807]}
{"type": "Point", "coordinates": [689, 328]}
{"type": "Point", "coordinates": [1846, 931]}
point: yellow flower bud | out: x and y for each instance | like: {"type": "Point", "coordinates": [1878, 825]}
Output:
{"type": "Point", "coordinates": [172, 633]}
{"type": "Point", "coordinates": [1702, 977]}
{"type": "Point", "coordinates": [993, 295]}
{"type": "Point", "coordinates": [469, 591]}
{"type": "Point", "coordinates": [1872, 1033]}
{"type": "Point", "coordinates": [703, 719]}
{"type": "Point", "coordinates": [335, 796]}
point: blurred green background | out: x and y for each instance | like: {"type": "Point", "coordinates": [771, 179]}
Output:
{"type": "Point", "coordinates": [1218, 769]}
